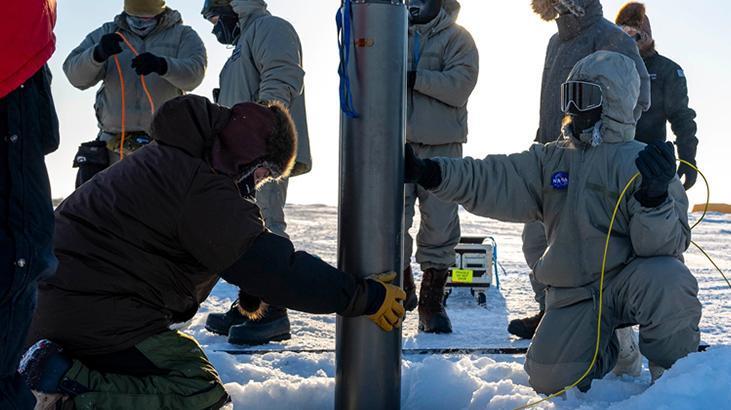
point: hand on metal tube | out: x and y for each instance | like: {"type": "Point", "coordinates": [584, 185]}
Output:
{"type": "Point", "coordinates": [424, 172]}
{"type": "Point", "coordinates": [391, 311]}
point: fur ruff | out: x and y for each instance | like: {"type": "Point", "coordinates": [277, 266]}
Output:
{"type": "Point", "coordinates": [251, 306]}
{"type": "Point", "coordinates": [546, 9]}
{"type": "Point", "coordinates": [632, 15]}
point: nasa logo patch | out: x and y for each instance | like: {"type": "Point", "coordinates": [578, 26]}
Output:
{"type": "Point", "coordinates": [560, 181]}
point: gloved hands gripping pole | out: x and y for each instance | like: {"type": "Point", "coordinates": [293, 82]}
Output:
{"type": "Point", "coordinates": [391, 311]}
{"type": "Point", "coordinates": [424, 172]}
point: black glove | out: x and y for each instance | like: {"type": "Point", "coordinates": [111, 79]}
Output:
{"type": "Point", "coordinates": [108, 46]}
{"type": "Point", "coordinates": [147, 63]}
{"type": "Point", "coordinates": [424, 172]}
{"type": "Point", "coordinates": [656, 164]}
{"type": "Point", "coordinates": [410, 80]}
{"type": "Point", "coordinates": [690, 174]}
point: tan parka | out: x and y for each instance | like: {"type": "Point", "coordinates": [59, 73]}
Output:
{"type": "Point", "coordinates": [267, 65]}
{"type": "Point", "coordinates": [181, 47]}
{"type": "Point", "coordinates": [446, 62]}
{"type": "Point", "coordinates": [572, 187]}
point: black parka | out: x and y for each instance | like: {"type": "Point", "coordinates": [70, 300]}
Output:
{"type": "Point", "coordinates": [669, 104]}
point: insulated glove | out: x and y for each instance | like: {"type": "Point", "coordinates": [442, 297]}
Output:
{"type": "Point", "coordinates": [391, 311]}
{"type": "Point", "coordinates": [108, 46]}
{"type": "Point", "coordinates": [690, 174]}
{"type": "Point", "coordinates": [424, 172]}
{"type": "Point", "coordinates": [656, 164]}
{"type": "Point", "coordinates": [147, 63]}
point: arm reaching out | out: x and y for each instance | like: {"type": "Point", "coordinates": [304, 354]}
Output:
{"type": "Point", "coordinates": [273, 270]}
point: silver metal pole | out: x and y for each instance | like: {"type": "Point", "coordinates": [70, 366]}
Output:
{"type": "Point", "coordinates": [370, 223]}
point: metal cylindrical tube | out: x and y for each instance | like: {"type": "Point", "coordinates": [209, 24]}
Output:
{"type": "Point", "coordinates": [370, 223]}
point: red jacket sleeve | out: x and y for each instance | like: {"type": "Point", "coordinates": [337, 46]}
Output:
{"type": "Point", "coordinates": [26, 30]}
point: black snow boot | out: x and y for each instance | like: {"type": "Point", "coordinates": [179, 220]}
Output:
{"type": "Point", "coordinates": [221, 323]}
{"type": "Point", "coordinates": [432, 316]}
{"type": "Point", "coordinates": [410, 289]}
{"type": "Point", "coordinates": [44, 367]}
{"type": "Point", "coordinates": [273, 326]}
{"type": "Point", "coordinates": [525, 328]}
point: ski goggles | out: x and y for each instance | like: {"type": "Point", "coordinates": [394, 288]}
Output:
{"type": "Point", "coordinates": [584, 96]}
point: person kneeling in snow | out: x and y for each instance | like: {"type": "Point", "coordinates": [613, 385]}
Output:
{"type": "Point", "coordinates": [572, 186]}
{"type": "Point", "coordinates": [142, 245]}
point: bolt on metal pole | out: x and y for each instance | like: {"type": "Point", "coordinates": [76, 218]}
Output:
{"type": "Point", "coordinates": [371, 203]}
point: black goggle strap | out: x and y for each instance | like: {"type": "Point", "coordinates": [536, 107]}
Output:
{"type": "Point", "coordinates": [583, 95]}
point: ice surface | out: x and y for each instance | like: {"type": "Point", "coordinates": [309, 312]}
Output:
{"type": "Point", "coordinates": [306, 380]}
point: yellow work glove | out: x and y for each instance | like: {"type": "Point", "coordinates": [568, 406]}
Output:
{"type": "Point", "coordinates": [391, 312]}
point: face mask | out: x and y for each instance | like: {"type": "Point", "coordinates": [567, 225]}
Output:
{"type": "Point", "coordinates": [582, 122]}
{"type": "Point", "coordinates": [423, 11]}
{"type": "Point", "coordinates": [227, 30]}
{"type": "Point", "coordinates": [141, 26]}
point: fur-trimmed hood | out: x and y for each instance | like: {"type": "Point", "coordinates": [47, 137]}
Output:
{"type": "Point", "coordinates": [229, 138]}
{"type": "Point", "coordinates": [546, 9]}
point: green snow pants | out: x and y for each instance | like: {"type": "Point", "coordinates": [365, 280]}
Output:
{"type": "Point", "coordinates": [660, 294]}
{"type": "Point", "coordinates": [181, 378]}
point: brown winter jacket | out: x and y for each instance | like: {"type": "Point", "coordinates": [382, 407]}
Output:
{"type": "Point", "coordinates": [140, 245]}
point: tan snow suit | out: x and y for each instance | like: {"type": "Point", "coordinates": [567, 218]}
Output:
{"type": "Point", "coordinates": [646, 281]}
{"type": "Point", "coordinates": [178, 44]}
{"type": "Point", "coordinates": [267, 65]}
{"type": "Point", "coordinates": [446, 61]}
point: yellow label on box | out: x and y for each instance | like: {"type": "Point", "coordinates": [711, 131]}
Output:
{"type": "Point", "coordinates": [462, 275]}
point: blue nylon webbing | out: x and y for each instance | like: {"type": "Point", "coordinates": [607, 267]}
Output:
{"type": "Point", "coordinates": [344, 20]}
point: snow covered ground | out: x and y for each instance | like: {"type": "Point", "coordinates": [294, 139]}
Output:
{"type": "Point", "coordinates": [306, 381]}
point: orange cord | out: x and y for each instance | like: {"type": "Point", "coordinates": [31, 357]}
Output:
{"type": "Point", "coordinates": [122, 87]}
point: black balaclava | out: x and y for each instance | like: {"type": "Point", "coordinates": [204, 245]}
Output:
{"type": "Point", "coordinates": [227, 30]}
{"type": "Point", "coordinates": [580, 122]}
{"type": "Point", "coordinates": [423, 11]}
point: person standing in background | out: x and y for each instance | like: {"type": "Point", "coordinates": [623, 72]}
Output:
{"type": "Point", "coordinates": [265, 65]}
{"type": "Point", "coordinates": [669, 93]}
{"type": "Point", "coordinates": [582, 30]}
{"type": "Point", "coordinates": [144, 58]}
{"type": "Point", "coordinates": [443, 71]}
{"type": "Point", "coordinates": [28, 132]}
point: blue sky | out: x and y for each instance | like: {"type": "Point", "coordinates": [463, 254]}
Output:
{"type": "Point", "coordinates": [503, 109]}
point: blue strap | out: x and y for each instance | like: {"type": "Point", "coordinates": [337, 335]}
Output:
{"type": "Point", "coordinates": [344, 19]}
{"type": "Point", "coordinates": [495, 261]}
{"type": "Point", "coordinates": [417, 51]}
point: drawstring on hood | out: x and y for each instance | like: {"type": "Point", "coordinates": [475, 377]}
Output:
{"type": "Point", "coordinates": [620, 82]}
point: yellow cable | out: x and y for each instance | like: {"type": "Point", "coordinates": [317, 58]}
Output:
{"type": "Point", "coordinates": [601, 280]}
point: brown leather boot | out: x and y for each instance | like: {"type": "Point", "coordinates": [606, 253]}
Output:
{"type": "Point", "coordinates": [432, 316]}
{"type": "Point", "coordinates": [525, 328]}
{"type": "Point", "coordinates": [410, 289]}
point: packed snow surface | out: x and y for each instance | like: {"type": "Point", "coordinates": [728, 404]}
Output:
{"type": "Point", "coordinates": [291, 380]}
